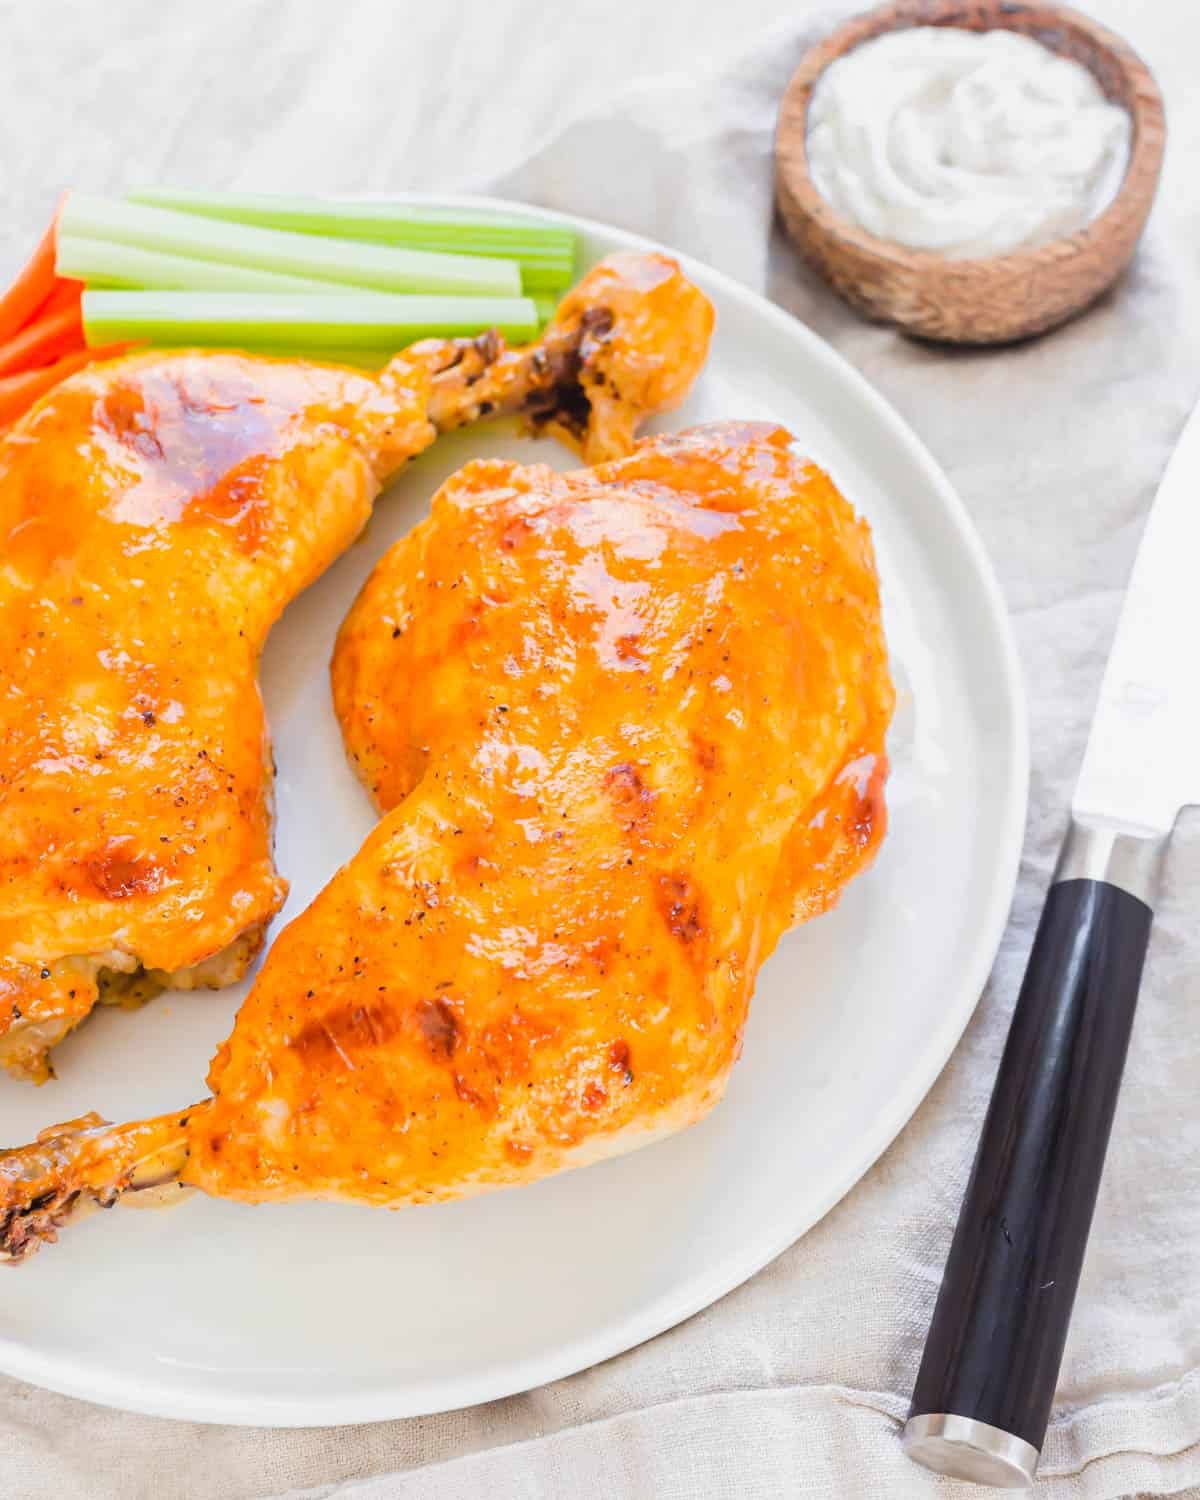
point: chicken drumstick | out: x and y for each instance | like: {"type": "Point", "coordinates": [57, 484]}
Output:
{"type": "Point", "coordinates": [626, 726]}
{"type": "Point", "coordinates": [156, 515]}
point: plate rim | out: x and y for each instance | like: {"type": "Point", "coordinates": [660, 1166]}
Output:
{"type": "Point", "coordinates": [64, 1374]}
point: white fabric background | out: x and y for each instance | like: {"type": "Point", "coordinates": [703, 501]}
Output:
{"type": "Point", "coordinates": [659, 117]}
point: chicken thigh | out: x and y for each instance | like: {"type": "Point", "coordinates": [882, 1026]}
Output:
{"type": "Point", "coordinates": [156, 515]}
{"type": "Point", "coordinates": [626, 725]}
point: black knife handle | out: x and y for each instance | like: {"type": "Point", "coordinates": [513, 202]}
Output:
{"type": "Point", "coordinates": [983, 1394]}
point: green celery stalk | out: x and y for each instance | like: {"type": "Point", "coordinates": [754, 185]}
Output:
{"type": "Point", "coordinates": [346, 262]}
{"type": "Point", "coordinates": [544, 251]}
{"type": "Point", "coordinates": [298, 321]}
{"type": "Point", "coordinates": [545, 307]}
{"type": "Point", "coordinates": [546, 279]}
{"type": "Point", "coordinates": [107, 263]}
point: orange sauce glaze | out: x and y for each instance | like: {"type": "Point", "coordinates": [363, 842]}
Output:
{"type": "Point", "coordinates": [625, 726]}
{"type": "Point", "coordinates": [155, 517]}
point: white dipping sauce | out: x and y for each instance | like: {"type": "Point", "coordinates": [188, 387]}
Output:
{"type": "Point", "coordinates": [964, 142]}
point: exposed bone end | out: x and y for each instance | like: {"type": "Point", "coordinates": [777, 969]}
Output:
{"type": "Point", "coordinates": [627, 342]}
{"type": "Point", "coordinates": [641, 332]}
{"type": "Point", "coordinates": [82, 1165]}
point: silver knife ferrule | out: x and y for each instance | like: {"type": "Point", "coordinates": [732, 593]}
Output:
{"type": "Point", "coordinates": [1131, 861]}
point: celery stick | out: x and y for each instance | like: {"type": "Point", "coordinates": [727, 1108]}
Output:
{"type": "Point", "coordinates": [545, 307]}
{"type": "Point", "coordinates": [544, 251]}
{"type": "Point", "coordinates": [106, 263]}
{"type": "Point", "coordinates": [546, 278]}
{"type": "Point", "coordinates": [298, 320]}
{"type": "Point", "coordinates": [341, 261]}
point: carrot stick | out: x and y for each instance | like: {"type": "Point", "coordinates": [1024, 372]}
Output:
{"type": "Point", "coordinates": [43, 341]}
{"type": "Point", "coordinates": [66, 293]}
{"type": "Point", "coordinates": [34, 283]}
{"type": "Point", "coordinates": [19, 392]}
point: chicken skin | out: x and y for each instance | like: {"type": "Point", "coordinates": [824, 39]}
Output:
{"type": "Point", "coordinates": [626, 726]}
{"type": "Point", "coordinates": [156, 516]}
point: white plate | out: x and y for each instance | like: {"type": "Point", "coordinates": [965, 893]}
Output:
{"type": "Point", "coordinates": [321, 1313]}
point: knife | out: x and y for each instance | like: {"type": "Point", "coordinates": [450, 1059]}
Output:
{"type": "Point", "coordinates": [983, 1394]}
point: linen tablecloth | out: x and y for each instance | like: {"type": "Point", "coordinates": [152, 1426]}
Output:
{"type": "Point", "coordinates": [660, 118]}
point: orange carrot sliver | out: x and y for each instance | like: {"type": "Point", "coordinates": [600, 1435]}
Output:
{"type": "Point", "coordinates": [34, 283]}
{"type": "Point", "coordinates": [43, 341]}
{"type": "Point", "coordinates": [66, 293]}
{"type": "Point", "coordinates": [19, 392]}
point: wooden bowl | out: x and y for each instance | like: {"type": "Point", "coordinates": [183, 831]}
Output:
{"type": "Point", "coordinates": [996, 298]}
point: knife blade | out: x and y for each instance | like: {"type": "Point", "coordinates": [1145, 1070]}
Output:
{"type": "Point", "coordinates": [1142, 763]}
{"type": "Point", "coordinates": [983, 1393]}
